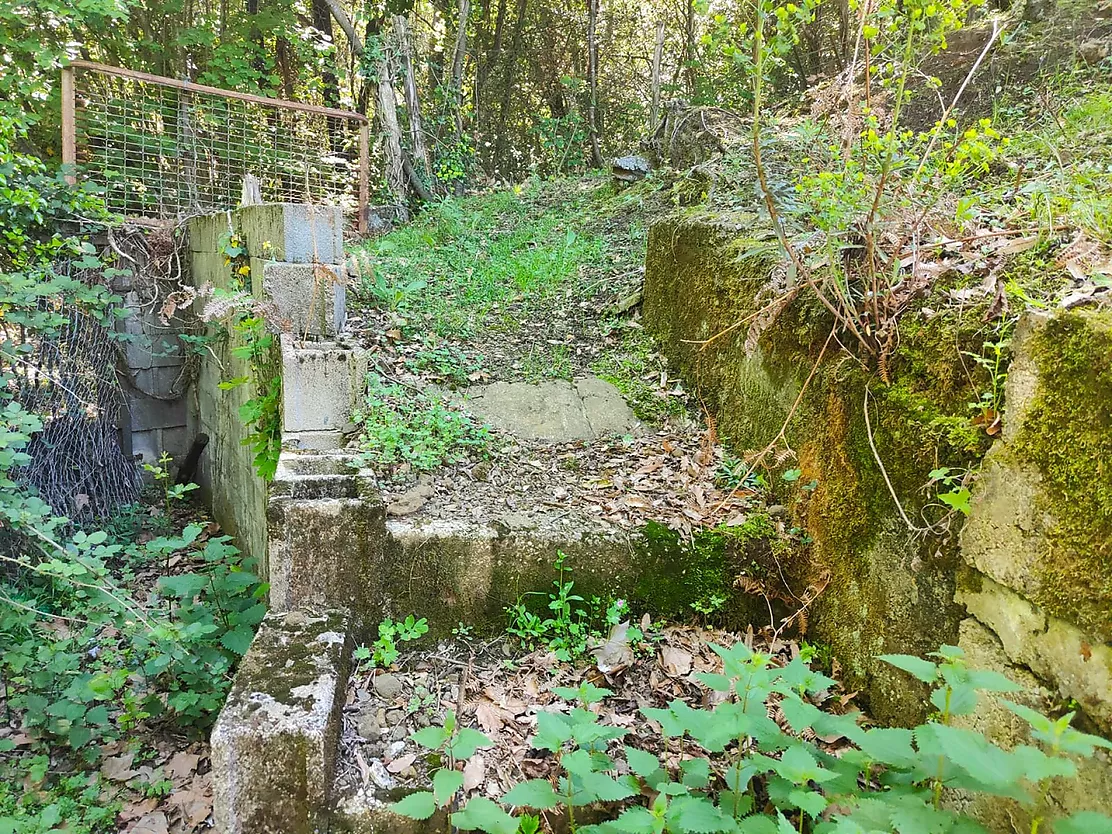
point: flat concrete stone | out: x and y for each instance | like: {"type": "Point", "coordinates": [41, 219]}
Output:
{"type": "Point", "coordinates": [274, 744]}
{"type": "Point", "coordinates": [557, 411]}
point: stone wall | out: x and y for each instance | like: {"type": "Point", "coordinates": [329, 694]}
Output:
{"type": "Point", "coordinates": [1024, 586]}
{"type": "Point", "coordinates": [298, 283]}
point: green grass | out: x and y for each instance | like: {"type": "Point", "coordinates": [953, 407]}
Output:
{"type": "Point", "coordinates": [473, 255]}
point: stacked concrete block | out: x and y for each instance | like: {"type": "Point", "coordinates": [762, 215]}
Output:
{"type": "Point", "coordinates": [321, 385]}
{"type": "Point", "coordinates": [325, 531]}
{"type": "Point", "coordinates": [154, 388]}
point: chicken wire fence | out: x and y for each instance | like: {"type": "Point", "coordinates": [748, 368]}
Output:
{"type": "Point", "coordinates": [68, 377]}
{"type": "Point", "coordinates": [167, 149]}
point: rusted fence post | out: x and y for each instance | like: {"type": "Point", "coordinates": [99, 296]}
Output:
{"type": "Point", "coordinates": [69, 126]}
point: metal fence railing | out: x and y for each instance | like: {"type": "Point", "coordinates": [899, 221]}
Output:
{"type": "Point", "coordinates": [168, 149]}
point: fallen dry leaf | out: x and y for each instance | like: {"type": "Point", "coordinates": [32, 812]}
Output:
{"type": "Point", "coordinates": [473, 773]}
{"type": "Point", "coordinates": [154, 823]}
{"type": "Point", "coordinates": [675, 661]}
{"type": "Point", "coordinates": [118, 768]}
{"type": "Point", "coordinates": [401, 763]}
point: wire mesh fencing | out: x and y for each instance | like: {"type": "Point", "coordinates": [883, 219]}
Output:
{"type": "Point", "coordinates": [68, 377]}
{"type": "Point", "coordinates": [167, 149]}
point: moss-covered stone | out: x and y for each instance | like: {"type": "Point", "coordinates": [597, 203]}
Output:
{"type": "Point", "coordinates": [1067, 435]}
{"type": "Point", "coordinates": [885, 587]}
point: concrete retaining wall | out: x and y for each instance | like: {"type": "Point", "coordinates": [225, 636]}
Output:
{"type": "Point", "coordinates": [1024, 585]}
{"type": "Point", "coordinates": [297, 281]}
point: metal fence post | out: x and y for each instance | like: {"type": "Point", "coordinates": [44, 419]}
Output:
{"type": "Point", "coordinates": [69, 126]}
{"type": "Point", "coordinates": [364, 177]}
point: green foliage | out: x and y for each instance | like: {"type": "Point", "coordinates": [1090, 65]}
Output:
{"type": "Point", "coordinates": [746, 773]}
{"type": "Point", "coordinates": [454, 264]}
{"type": "Point", "coordinates": [384, 651]}
{"type": "Point", "coordinates": [566, 629]}
{"type": "Point", "coordinates": [171, 491]}
{"type": "Point", "coordinates": [256, 345]}
{"type": "Point", "coordinates": [416, 429]}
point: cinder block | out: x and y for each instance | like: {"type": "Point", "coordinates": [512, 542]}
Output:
{"type": "Point", "coordinates": [321, 383]}
{"type": "Point", "coordinates": [206, 231]}
{"type": "Point", "coordinates": [292, 232]}
{"type": "Point", "coordinates": [164, 381]}
{"type": "Point", "coordinates": [311, 297]}
{"type": "Point", "coordinates": [325, 534]}
{"type": "Point", "coordinates": [274, 744]}
{"type": "Point", "coordinates": [148, 413]}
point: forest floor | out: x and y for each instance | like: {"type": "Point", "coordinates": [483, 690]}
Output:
{"type": "Point", "coordinates": [540, 285]}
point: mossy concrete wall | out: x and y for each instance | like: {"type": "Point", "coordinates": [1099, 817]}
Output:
{"type": "Point", "coordinates": [886, 588]}
{"type": "Point", "coordinates": [226, 475]}
{"type": "Point", "coordinates": [1026, 586]}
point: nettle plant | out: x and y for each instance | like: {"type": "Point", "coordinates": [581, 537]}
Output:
{"type": "Point", "coordinates": [732, 768]}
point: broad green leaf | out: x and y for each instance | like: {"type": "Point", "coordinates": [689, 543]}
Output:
{"type": "Point", "coordinates": [602, 787]}
{"type": "Point", "coordinates": [924, 670]}
{"type": "Point", "coordinates": [695, 815]}
{"type": "Point", "coordinates": [445, 783]}
{"type": "Point", "coordinates": [482, 814]}
{"type": "Point", "coordinates": [810, 801]}
{"type": "Point", "coordinates": [635, 821]}
{"type": "Point", "coordinates": [466, 742]}
{"type": "Point", "coordinates": [416, 806]}
{"type": "Point", "coordinates": [535, 793]}
{"type": "Point", "coordinates": [552, 731]}
{"type": "Point", "coordinates": [430, 737]}
{"type": "Point", "coordinates": [642, 763]}
{"type": "Point", "coordinates": [668, 720]}
{"type": "Point", "coordinates": [696, 772]}
{"type": "Point", "coordinates": [1086, 822]}
{"type": "Point", "coordinates": [890, 746]}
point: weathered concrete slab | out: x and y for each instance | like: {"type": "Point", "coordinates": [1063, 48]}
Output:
{"type": "Point", "coordinates": [325, 531]}
{"type": "Point", "coordinates": [556, 411]}
{"type": "Point", "coordinates": [1090, 790]}
{"type": "Point", "coordinates": [1056, 651]}
{"type": "Point", "coordinates": [322, 383]}
{"type": "Point", "coordinates": [312, 298]}
{"type": "Point", "coordinates": [274, 744]}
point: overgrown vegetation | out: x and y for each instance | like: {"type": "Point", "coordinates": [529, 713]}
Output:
{"type": "Point", "coordinates": [741, 771]}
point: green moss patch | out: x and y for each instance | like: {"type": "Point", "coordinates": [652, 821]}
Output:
{"type": "Point", "coordinates": [1067, 434]}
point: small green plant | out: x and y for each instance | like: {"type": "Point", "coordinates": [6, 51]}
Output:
{"type": "Point", "coordinates": [708, 606]}
{"type": "Point", "coordinates": [567, 628]}
{"type": "Point", "coordinates": [414, 429]}
{"type": "Point", "coordinates": [956, 495]}
{"type": "Point", "coordinates": [171, 492]}
{"type": "Point", "coordinates": [990, 406]}
{"type": "Point", "coordinates": [384, 651]}
{"type": "Point", "coordinates": [454, 744]}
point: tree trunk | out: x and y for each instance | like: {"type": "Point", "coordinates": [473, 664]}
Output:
{"type": "Point", "coordinates": [330, 82]}
{"type": "Point", "coordinates": [412, 100]}
{"type": "Point", "coordinates": [512, 60]}
{"type": "Point", "coordinates": [592, 81]}
{"type": "Point", "coordinates": [458, 57]}
{"type": "Point", "coordinates": [658, 54]}
{"type": "Point", "coordinates": [386, 107]}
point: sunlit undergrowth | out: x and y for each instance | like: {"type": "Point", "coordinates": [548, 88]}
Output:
{"type": "Point", "coordinates": [453, 269]}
